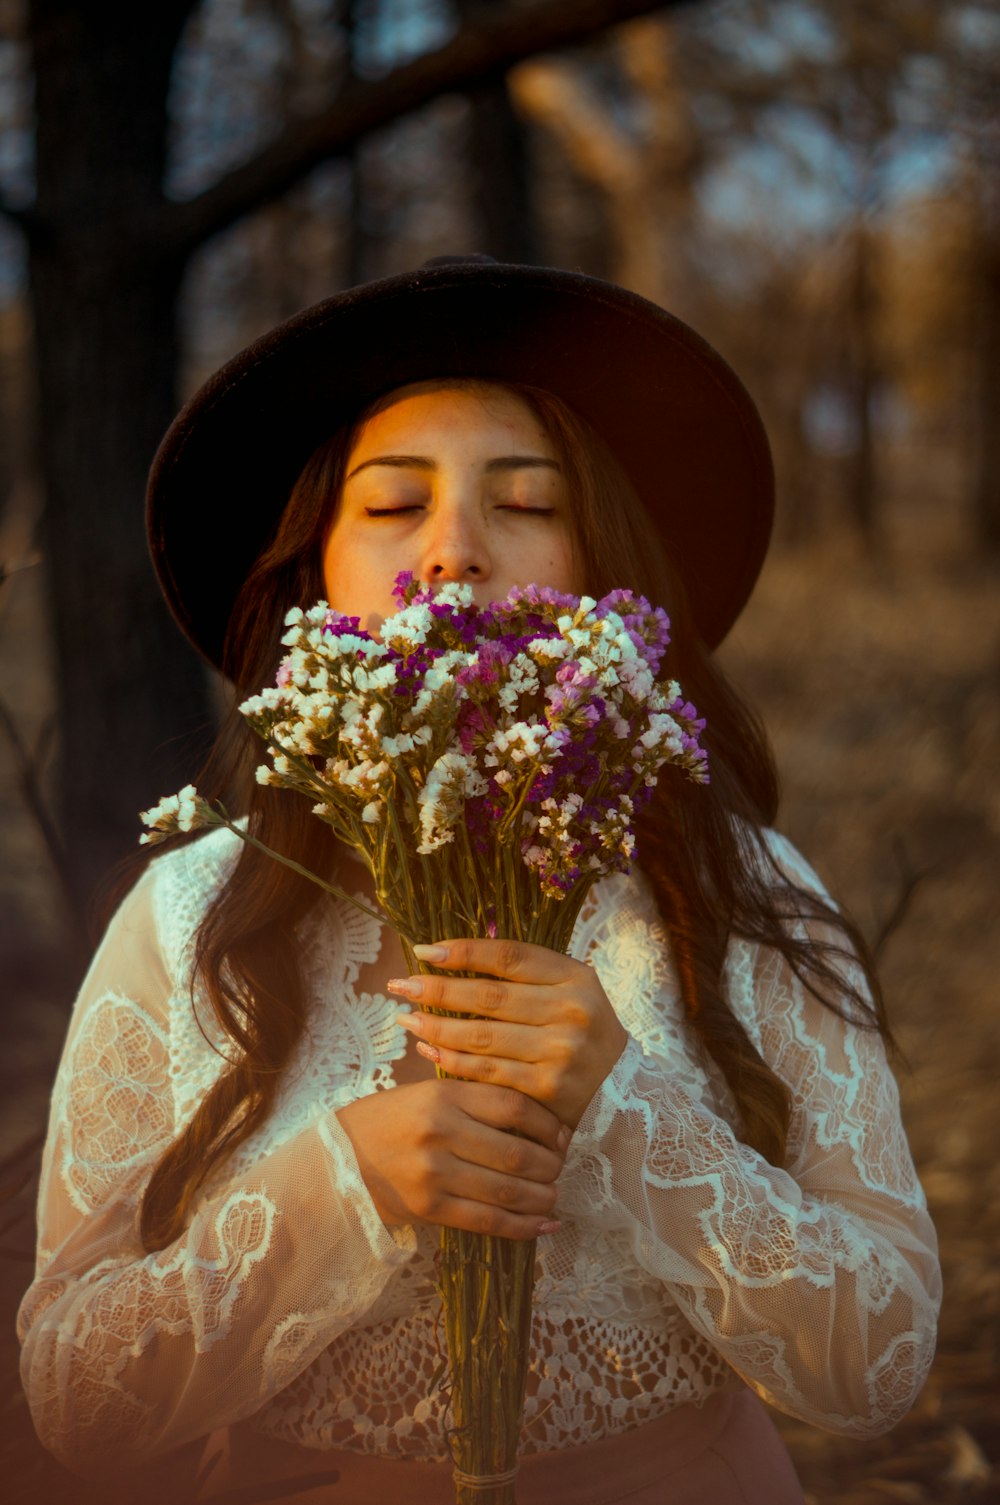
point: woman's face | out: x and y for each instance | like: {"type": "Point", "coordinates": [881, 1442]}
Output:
{"type": "Point", "coordinates": [456, 485]}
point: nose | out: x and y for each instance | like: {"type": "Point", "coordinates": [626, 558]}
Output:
{"type": "Point", "coordinates": [457, 547]}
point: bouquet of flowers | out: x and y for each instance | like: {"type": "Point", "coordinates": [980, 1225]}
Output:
{"type": "Point", "coordinates": [488, 764]}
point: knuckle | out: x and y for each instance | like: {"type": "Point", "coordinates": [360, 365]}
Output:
{"type": "Point", "coordinates": [565, 1049]}
{"type": "Point", "coordinates": [517, 1108]}
{"type": "Point", "coordinates": [508, 955]}
{"type": "Point", "coordinates": [578, 1015]}
{"type": "Point", "coordinates": [423, 1131]}
{"type": "Point", "coordinates": [516, 1156]}
{"type": "Point", "coordinates": [486, 1220]}
{"type": "Point", "coordinates": [551, 1085]}
{"type": "Point", "coordinates": [506, 1192]}
{"type": "Point", "coordinates": [492, 996]}
{"type": "Point", "coordinates": [483, 1036]}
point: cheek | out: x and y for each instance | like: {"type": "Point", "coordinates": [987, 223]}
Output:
{"type": "Point", "coordinates": [567, 565]}
{"type": "Point", "coordinates": [330, 574]}
{"type": "Point", "coordinates": [342, 569]}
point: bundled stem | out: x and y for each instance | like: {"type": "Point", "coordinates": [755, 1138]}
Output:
{"type": "Point", "coordinates": [487, 1283]}
{"type": "Point", "coordinates": [486, 1293]}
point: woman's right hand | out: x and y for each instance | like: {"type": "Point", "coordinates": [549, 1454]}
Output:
{"type": "Point", "coordinates": [441, 1151]}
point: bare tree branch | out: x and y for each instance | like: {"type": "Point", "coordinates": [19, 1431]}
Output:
{"type": "Point", "coordinates": [27, 765]}
{"type": "Point", "coordinates": [910, 879]}
{"type": "Point", "coordinates": [27, 774]}
{"type": "Point", "coordinates": [476, 54]}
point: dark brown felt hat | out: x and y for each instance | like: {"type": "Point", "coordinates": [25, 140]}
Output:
{"type": "Point", "coordinates": [673, 412]}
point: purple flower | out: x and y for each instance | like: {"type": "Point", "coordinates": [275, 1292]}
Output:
{"type": "Point", "coordinates": [473, 725]}
{"type": "Point", "coordinates": [337, 625]}
{"type": "Point", "coordinates": [401, 587]}
{"type": "Point", "coordinates": [538, 595]}
{"type": "Point", "coordinates": [485, 673]}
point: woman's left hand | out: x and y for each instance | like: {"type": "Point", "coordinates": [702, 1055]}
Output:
{"type": "Point", "coordinates": [546, 1028]}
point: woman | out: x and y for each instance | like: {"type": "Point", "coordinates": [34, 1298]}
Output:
{"type": "Point", "coordinates": [237, 1219]}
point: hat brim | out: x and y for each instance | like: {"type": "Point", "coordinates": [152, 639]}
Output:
{"type": "Point", "coordinates": [673, 412]}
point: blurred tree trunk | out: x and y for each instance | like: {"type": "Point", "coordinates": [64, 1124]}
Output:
{"type": "Point", "coordinates": [105, 344]}
{"type": "Point", "coordinates": [644, 179]}
{"type": "Point", "coordinates": [501, 169]}
{"type": "Point", "coordinates": [862, 377]}
{"type": "Point", "coordinates": [498, 148]}
{"type": "Point", "coordinates": [986, 483]}
{"type": "Point", "coordinates": [356, 230]}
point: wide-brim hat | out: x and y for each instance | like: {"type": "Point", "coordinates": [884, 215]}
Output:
{"type": "Point", "coordinates": [669, 407]}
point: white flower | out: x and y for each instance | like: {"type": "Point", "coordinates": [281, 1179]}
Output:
{"type": "Point", "coordinates": [452, 593]}
{"type": "Point", "coordinates": [523, 740]}
{"type": "Point", "coordinates": [452, 780]}
{"type": "Point", "coordinates": [271, 699]}
{"type": "Point", "coordinates": [409, 627]}
{"type": "Point", "coordinates": [548, 648]}
{"type": "Point", "coordinates": [381, 678]}
{"type": "Point", "coordinates": [183, 811]}
{"type": "Point", "coordinates": [663, 733]}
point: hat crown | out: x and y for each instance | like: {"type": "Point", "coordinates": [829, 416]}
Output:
{"type": "Point", "coordinates": [473, 259]}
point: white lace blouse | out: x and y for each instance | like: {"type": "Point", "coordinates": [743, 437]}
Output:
{"type": "Point", "coordinates": [685, 1262]}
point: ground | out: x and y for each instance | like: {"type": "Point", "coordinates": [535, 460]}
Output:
{"type": "Point", "coordinates": [879, 682]}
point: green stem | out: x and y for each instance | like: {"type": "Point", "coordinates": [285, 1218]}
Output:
{"type": "Point", "coordinates": [296, 867]}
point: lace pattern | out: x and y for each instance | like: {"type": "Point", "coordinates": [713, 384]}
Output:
{"type": "Point", "coordinates": [685, 1261]}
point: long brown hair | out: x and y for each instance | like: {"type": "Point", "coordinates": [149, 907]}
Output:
{"type": "Point", "coordinates": [702, 849]}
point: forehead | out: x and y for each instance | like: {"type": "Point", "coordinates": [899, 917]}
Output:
{"type": "Point", "coordinates": [470, 409]}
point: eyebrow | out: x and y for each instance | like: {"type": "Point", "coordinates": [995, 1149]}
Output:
{"type": "Point", "coordinates": [422, 462]}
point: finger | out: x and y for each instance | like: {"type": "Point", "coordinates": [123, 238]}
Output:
{"type": "Point", "coordinates": [480, 1183]}
{"type": "Point", "coordinates": [514, 1156]}
{"type": "Point", "coordinates": [480, 1217]}
{"type": "Point", "coordinates": [489, 1070]}
{"type": "Point", "coordinates": [518, 1003]}
{"type": "Point", "coordinates": [519, 961]}
{"type": "Point", "coordinates": [480, 1037]}
{"type": "Point", "coordinates": [508, 1109]}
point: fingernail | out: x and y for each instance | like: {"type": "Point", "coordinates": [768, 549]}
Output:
{"type": "Point", "coordinates": [415, 1023]}
{"type": "Point", "coordinates": [430, 1051]}
{"type": "Point", "coordinates": [549, 1227]}
{"type": "Point", "coordinates": [412, 987]}
{"type": "Point", "coordinates": [431, 953]}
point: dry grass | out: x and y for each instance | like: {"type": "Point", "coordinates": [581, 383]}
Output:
{"type": "Point", "coordinates": [880, 688]}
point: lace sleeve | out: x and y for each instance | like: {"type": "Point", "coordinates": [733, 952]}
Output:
{"type": "Point", "coordinates": [819, 1283]}
{"type": "Point", "coordinates": [126, 1354]}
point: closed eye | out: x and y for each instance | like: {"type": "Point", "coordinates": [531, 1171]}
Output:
{"type": "Point", "coordinates": [504, 507]}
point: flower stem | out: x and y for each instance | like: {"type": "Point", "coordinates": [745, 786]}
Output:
{"type": "Point", "coordinates": [296, 867]}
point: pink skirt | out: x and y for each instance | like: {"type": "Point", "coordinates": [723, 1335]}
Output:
{"type": "Point", "coordinates": [726, 1452]}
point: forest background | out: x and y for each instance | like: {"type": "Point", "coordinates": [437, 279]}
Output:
{"type": "Point", "coordinates": [815, 185]}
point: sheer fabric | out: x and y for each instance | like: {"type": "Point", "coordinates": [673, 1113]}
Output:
{"type": "Point", "coordinates": [685, 1262]}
